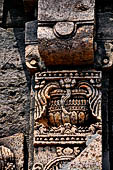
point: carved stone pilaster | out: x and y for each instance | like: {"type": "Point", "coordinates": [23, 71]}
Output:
{"type": "Point", "coordinates": [67, 103]}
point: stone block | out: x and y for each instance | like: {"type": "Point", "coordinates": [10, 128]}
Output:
{"type": "Point", "coordinates": [66, 44]}
{"type": "Point", "coordinates": [63, 44]}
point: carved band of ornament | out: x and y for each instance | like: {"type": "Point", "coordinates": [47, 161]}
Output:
{"type": "Point", "coordinates": [67, 151]}
{"type": "Point", "coordinates": [59, 140]}
{"type": "Point", "coordinates": [64, 134]}
{"type": "Point", "coordinates": [50, 75]}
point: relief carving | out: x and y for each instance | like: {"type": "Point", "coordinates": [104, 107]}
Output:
{"type": "Point", "coordinates": [68, 110]}
{"type": "Point", "coordinates": [12, 152]}
{"type": "Point", "coordinates": [7, 159]}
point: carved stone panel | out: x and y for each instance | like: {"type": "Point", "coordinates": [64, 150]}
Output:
{"type": "Point", "coordinates": [68, 111]}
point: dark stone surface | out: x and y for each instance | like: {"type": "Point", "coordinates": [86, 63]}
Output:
{"type": "Point", "coordinates": [31, 32]}
{"type": "Point", "coordinates": [105, 25]}
{"type": "Point", "coordinates": [1, 10]}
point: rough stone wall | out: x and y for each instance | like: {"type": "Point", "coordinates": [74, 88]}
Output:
{"type": "Point", "coordinates": [14, 84]}
{"type": "Point", "coordinates": [15, 80]}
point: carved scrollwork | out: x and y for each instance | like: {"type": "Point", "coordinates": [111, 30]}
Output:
{"type": "Point", "coordinates": [58, 162]}
{"type": "Point", "coordinates": [94, 96]}
{"type": "Point", "coordinates": [38, 166]}
{"type": "Point", "coordinates": [42, 98]}
{"type": "Point", "coordinates": [68, 99]}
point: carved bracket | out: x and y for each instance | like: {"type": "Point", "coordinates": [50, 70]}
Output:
{"type": "Point", "coordinates": [62, 35]}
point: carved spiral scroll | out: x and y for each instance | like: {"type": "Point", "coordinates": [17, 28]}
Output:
{"type": "Point", "coordinates": [42, 97]}
{"type": "Point", "coordinates": [57, 162]}
{"type": "Point", "coordinates": [94, 96]}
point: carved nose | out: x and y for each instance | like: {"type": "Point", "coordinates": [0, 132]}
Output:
{"type": "Point", "coordinates": [64, 30]}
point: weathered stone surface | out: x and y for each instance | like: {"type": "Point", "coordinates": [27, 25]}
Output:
{"type": "Point", "coordinates": [12, 121]}
{"type": "Point", "coordinates": [14, 83]}
{"type": "Point", "coordinates": [90, 158]}
{"type": "Point", "coordinates": [52, 10]}
{"type": "Point", "coordinates": [16, 144]}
